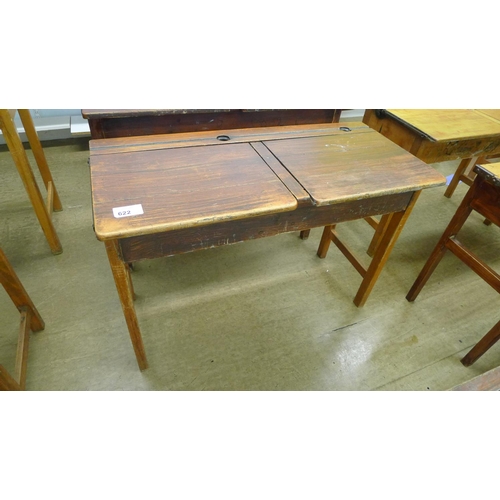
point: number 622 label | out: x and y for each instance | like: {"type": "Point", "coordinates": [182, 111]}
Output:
{"type": "Point", "coordinates": [128, 211]}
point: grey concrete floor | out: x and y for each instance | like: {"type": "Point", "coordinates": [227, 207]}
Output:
{"type": "Point", "coordinates": [261, 315]}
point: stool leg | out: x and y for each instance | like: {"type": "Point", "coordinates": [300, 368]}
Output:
{"type": "Point", "coordinates": [454, 226]}
{"type": "Point", "coordinates": [482, 346]}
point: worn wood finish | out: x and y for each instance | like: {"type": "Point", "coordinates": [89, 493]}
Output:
{"type": "Point", "coordinates": [198, 192]}
{"type": "Point", "coordinates": [444, 134]}
{"type": "Point", "coordinates": [21, 161]}
{"type": "Point", "coordinates": [190, 239]}
{"type": "Point", "coordinates": [126, 123]}
{"type": "Point", "coordinates": [484, 198]}
{"type": "Point", "coordinates": [435, 135]}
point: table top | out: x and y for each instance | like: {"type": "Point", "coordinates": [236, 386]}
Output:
{"type": "Point", "coordinates": [450, 124]}
{"type": "Point", "coordinates": [126, 113]}
{"type": "Point", "coordinates": [194, 179]}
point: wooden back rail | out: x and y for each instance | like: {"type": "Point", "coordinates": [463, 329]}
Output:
{"type": "Point", "coordinates": [43, 209]}
{"type": "Point", "coordinates": [201, 190]}
{"type": "Point", "coordinates": [483, 197]}
{"type": "Point", "coordinates": [442, 135]}
{"type": "Point", "coordinates": [112, 123]}
{"type": "Point", "coordinates": [30, 321]}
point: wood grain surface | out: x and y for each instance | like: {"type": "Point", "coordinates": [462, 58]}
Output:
{"type": "Point", "coordinates": [449, 124]}
{"type": "Point", "coordinates": [352, 165]}
{"type": "Point", "coordinates": [183, 187]}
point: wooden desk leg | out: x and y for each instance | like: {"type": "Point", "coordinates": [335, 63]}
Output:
{"type": "Point", "coordinates": [121, 275]}
{"type": "Point", "coordinates": [463, 168]}
{"type": "Point", "coordinates": [379, 232]}
{"type": "Point", "coordinates": [491, 338]}
{"type": "Point", "coordinates": [36, 147]}
{"type": "Point", "coordinates": [384, 248]}
{"type": "Point", "coordinates": [23, 166]}
{"type": "Point", "coordinates": [437, 254]}
{"type": "Point", "coordinates": [18, 294]}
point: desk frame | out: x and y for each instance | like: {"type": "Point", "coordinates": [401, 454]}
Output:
{"type": "Point", "coordinates": [123, 250]}
{"type": "Point", "coordinates": [431, 151]}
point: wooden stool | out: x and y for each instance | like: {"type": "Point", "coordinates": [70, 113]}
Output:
{"type": "Point", "coordinates": [30, 320]}
{"type": "Point", "coordinates": [43, 210]}
{"type": "Point", "coordinates": [483, 197]}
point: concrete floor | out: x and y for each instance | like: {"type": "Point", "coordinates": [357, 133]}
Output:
{"type": "Point", "coordinates": [262, 315]}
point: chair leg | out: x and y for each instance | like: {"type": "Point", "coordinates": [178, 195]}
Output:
{"type": "Point", "coordinates": [482, 346]}
{"type": "Point", "coordinates": [437, 254]}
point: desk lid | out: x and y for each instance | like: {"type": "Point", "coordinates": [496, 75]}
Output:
{"type": "Point", "coordinates": [448, 124]}
{"type": "Point", "coordinates": [182, 187]}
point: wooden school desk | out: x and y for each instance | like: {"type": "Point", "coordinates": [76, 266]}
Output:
{"type": "Point", "coordinates": [109, 123]}
{"type": "Point", "coordinates": [436, 135]}
{"type": "Point", "coordinates": [155, 196]}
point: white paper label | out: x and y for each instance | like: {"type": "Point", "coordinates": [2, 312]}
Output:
{"type": "Point", "coordinates": [128, 211]}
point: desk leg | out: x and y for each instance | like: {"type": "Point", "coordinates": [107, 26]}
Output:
{"type": "Point", "coordinates": [393, 228]}
{"type": "Point", "coordinates": [463, 170]}
{"type": "Point", "coordinates": [121, 275]}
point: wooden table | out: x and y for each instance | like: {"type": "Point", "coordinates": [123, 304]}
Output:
{"type": "Point", "coordinates": [436, 135]}
{"type": "Point", "coordinates": [108, 123]}
{"type": "Point", "coordinates": [168, 194]}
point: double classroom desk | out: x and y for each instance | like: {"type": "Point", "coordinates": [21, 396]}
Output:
{"type": "Point", "coordinates": [436, 135]}
{"type": "Point", "coordinates": [167, 194]}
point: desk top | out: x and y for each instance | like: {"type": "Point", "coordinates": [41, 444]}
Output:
{"type": "Point", "coordinates": [194, 179]}
{"type": "Point", "coordinates": [124, 113]}
{"type": "Point", "coordinates": [450, 124]}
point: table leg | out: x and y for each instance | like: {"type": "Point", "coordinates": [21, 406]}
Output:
{"type": "Point", "coordinates": [463, 169]}
{"type": "Point", "coordinates": [482, 346]}
{"type": "Point", "coordinates": [457, 221]}
{"type": "Point", "coordinates": [123, 282]}
{"type": "Point", "coordinates": [384, 248]}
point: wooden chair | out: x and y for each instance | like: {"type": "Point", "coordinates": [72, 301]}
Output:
{"type": "Point", "coordinates": [484, 198]}
{"type": "Point", "coordinates": [43, 210]}
{"type": "Point", "coordinates": [30, 320]}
